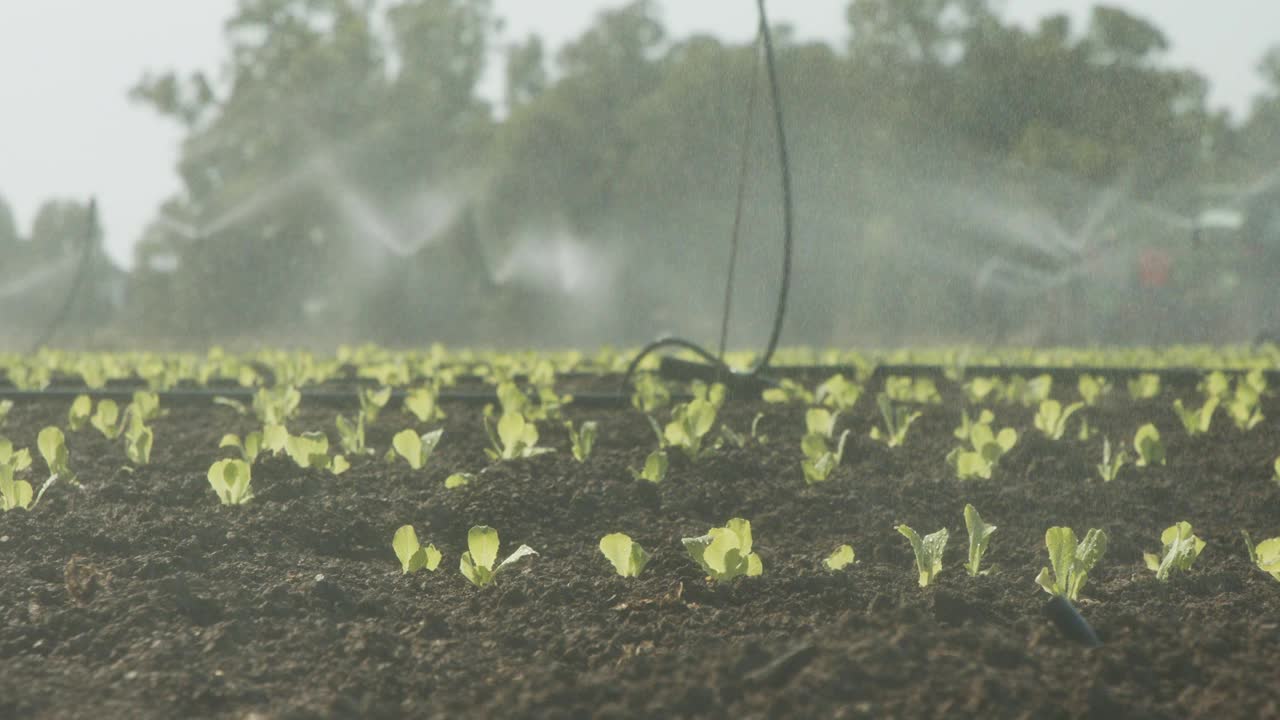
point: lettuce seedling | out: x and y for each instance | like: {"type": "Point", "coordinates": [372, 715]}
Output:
{"type": "Point", "coordinates": [788, 392]}
{"type": "Point", "coordinates": [19, 459]}
{"type": "Point", "coordinates": [1181, 547]}
{"type": "Point", "coordinates": [138, 439]}
{"type": "Point", "coordinates": [274, 406]}
{"type": "Point", "coordinates": [13, 493]}
{"type": "Point", "coordinates": [413, 557]}
{"type": "Point", "coordinates": [372, 400]}
{"type": "Point", "coordinates": [1027, 393]}
{"type": "Point", "coordinates": [1196, 420]}
{"type": "Point", "coordinates": [515, 437]}
{"type": "Point", "coordinates": [838, 392]}
{"type": "Point", "coordinates": [146, 405]}
{"type": "Point", "coordinates": [842, 558]}
{"type": "Point", "coordinates": [979, 389]}
{"type": "Point", "coordinates": [308, 450]}
{"type": "Point", "coordinates": [107, 418]}
{"type": "Point", "coordinates": [477, 564]}
{"type": "Point", "coordinates": [655, 467]}
{"type": "Point", "coordinates": [986, 417]}
{"type": "Point", "coordinates": [5, 407]}
{"type": "Point", "coordinates": [1245, 407]}
{"type": "Point", "coordinates": [627, 556]}
{"type": "Point", "coordinates": [249, 447]}
{"type": "Point", "coordinates": [820, 460]}
{"type": "Point", "coordinates": [690, 423]}
{"type": "Point", "coordinates": [908, 390]}
{"type": "Point", "coordinates": [724, 553]}
{"type": "Point", "coordinates": [1092, 388]}
{"type": "Point", "coordinates": [414, 448]}
{"type": "Point", "coordinates": [53, 448]}
{"type": "Point", "coordinates": [1144, 386]}
{"type": "Point", "coordinates": [1266, 555]}
{"type": "Point", "coordinates": [1276, 477]}
{"type": "Point", "coordinates": [1051, 418]}
{"type": "Point", "coordinates": [1215, 385]}
{"type": "Point", "coordinates": [1072, 562]}
{"type": "Point", "coordinates": [457, 480]}
{"type": "Point", "coordinates": [928, 551]}
{"type": "Point", "coordinates": [979, 536]}
{"type": "Point", "coordinates": [1148, 446]}
{"type": "Point", "coordinates": [650, 393]}
{"type": "Point", "coordinates": [987, 449]}
{"type": "Point", "coordinates": [820, 421]}
{"type": "Point", "coordinates": [897, 419]}
{"type": "Point", "coordinates": [78, 415]}
{"type": "Point", "coordinates": [582, 441]}
{"type": "Point", "coordinates": [1110, 466]}
{"type": "Point", "coordinates": [423, 404]}
{"type": "Point", "coordinates": [351, 435]}
{"type": "Point", "coordinates": [231, 480]}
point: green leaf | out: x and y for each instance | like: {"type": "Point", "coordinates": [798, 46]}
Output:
{"type": "Point", "coordinates": [820, 421]}
{"type": "Point", "coordinates": [339, 465]}
{"type": "Point", "coordinates": [457, 480]}
{"type": "Point", "coordinates": [405, 544]}
{"type": "Point", "coordinates": [1148, 446]}
{"type": "Point", "coordinates": [928, 551]}
{"type": "Point", "coordinates": [408, 445]}
{"type": "Point", "coordinates": [53, 448]}
{"type": "Point", "coordinates": [655, 467]}
{"type": "Point", "coordinates": [231, 481]}
{"type": "Point", "coordinates": [107, 418]}
{"type": "Point", "coordinates": [724, 553]}
{"type": "Point", "coordinates": [840, 559]}
{"type": "Point", "coordinates": [979, 536]}
{"type": "Point", "coordinates": [421, 402]}
{"type": "Point", "coordinates": [78, 415]}
{"type": "Point", "coordinates": [1180, 549]}
{"type": "Point", "coordinates": [628, 557]}
{"type": "Point", "coordinates": [482, 544]}
{"type": "Point", "coordinates": [308, 450]}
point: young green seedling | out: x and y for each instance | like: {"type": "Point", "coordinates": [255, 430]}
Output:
{"type": "Point", "coordinates": [1148, 446]}
{"type": "Point", "coordinates": [928, 551]}
{"type": "Point", "coordinates": [13, 493]}
{"type": "Point", "coordinates": [650, 394]}
{"type": "Point", "coordinates": [1266, 555]}
{"type": "Point", "coordinates": [231, 481]}
{"type": "Point", "coordinates": [979, 536]}
{"type": "Point", "coordinates": [987, 449]}
{"type": "Point", "coordinates": [1051, 418]}
{"type": "Point", "coordinates": [478, 563]}
{"type": "Point", "coordinates": [138, 438]}
{"type": "Point", "coordinates": [1092, 389]}
{"type": "Point", "coordinates": [78, 415]}
{"type": "Point", "coordinates": [985, 417]}
{"type": "Point", "coordinates": [351, 435]}
{"type": "Point", "coordinates": [690, 423]}
{"type": "Point", "coordinates": [372, 400]}
{"type": "Point", "coordinates": [842, 558]}
{"type": "Point", "coordinates": [1110, 466]}
{"type": "Point", "coordinates": [53, 448]}
{"type": "Point", "coordinates": [655, 467]}
{"type": "Point", "coordinates": [414, 448]}
{"type": "Point", "coordinates": [274, 406]}
{"type": "Point", "coordinates": [308, 450]}
{"type": "Point", "coordinates": [457, 480]}
{"type": "Point", "coordinates": [515, 437]}
{"type": "Point", "coordinates": [106, 419]}
{"type": "Point", "coordinates": [1181, 547]}
{"type": "Point", "coordinates": [413, 556]}
{"type": "Point", "coordinates": [820, 460]}
{"type": "Point", "coordinates": [1196, 420]}
{"type": "Point", "coordinates": [249, 447]}
{"type": "Point", "coordinates": [838, 392]}
{"type": "Point", "coordinates": [627, 556]}
{"type": "Point", "coordinates": [897, 419]}
{"type": "Point", "coordinates": [724, 553]}
{"type": "Point", "coordinates": [1072, 561]}
{"type": "Point", "coordinates": [788, 392]}
{"type": "Point", "coordinates": [1144, 386]}
{"type": "Point", "coordinates": [422, 403]}
{"type": "Point", "coordinates": [582, 440]}
{"type": "Point", "coordinates": [1245, 407]}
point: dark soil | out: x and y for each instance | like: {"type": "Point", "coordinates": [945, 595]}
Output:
{"type": "Point", "coordinates": [139, 596]}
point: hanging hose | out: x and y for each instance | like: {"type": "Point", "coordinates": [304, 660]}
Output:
{"type": "Point", "coordinates": [82, 273]}
{"type": "Point", "coordinates": [785, 166]}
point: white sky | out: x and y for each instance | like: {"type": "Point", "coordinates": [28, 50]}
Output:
{"type": "Point", "coordinates": [68, 129]}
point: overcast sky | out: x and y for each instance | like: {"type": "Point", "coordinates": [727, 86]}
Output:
{"type": "Point", "coordinates": [67, 128]}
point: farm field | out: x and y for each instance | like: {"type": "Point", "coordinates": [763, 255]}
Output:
{"type": "Point", "coordinates": [138, 594]}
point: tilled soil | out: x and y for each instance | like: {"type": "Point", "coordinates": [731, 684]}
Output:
{"type": "Point", "coordinates": [139, 596]}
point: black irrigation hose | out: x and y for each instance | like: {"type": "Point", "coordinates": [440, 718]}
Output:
{"type": "Point", "coordinates": [784, 161]}
{"type": "Point", "coordinates": [315, 395]}
{"type": "Point", "coordinates": [82, 272]}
